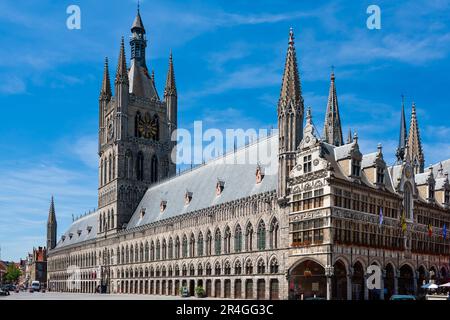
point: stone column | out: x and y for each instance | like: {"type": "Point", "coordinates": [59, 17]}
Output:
{"type": "Point", "coordinates": [396, 273]}
{"type": "Point", "coordinates": [383, 277]}
{"type": "Point", "coordinates": [415, 277]}
{"type": "Point", "coordinates": [349, 286]}
{"type": "Point", "coordinates": [329, 271]}
{"type": "Point", "coordinates": [366, 289]}
{"type": "Point", "coordinates": [232, 289]}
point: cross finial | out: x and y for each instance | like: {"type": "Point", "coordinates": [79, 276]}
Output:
{"type": "Point", "coordinates": [291, 36]}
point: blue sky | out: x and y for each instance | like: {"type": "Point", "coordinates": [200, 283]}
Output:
{"type": "Point", "coordinates": [228, 58]}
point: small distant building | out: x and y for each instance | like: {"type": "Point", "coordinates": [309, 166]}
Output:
{"type": "Point", "coordinates": [36, 269]}
{"type": "Point", "coordinates": [3, 268]}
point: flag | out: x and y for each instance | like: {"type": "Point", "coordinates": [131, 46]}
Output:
{"type": "Point", "coordinates": [444, 232]}
{"type": "Point", "coordinates": [430, 230]}
{"type": "Point", "coordinates": [403, 222]}
{"type": "Point", "coordinates": [381, 216]}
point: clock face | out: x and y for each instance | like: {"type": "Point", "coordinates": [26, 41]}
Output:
{"type": "Point", "coordinates": [148, 127]}
{"type": "Point", "coordinates": [408, 172]}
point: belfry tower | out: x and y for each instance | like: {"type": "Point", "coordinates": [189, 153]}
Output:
{"type": "Point", "coordinates": [135, 148]}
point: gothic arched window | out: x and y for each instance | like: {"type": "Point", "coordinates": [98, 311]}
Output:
{"type": "Point", "coordinates": [154, 169]}
{"type": "Point", "coordinates": [200, 244]}
{"type": "Point", "coordinates": [177, 248]}
{"type": "Point", "coordinates": [274, 230]}
{"type": "Point", "coordinates": [238, 239]}
{"type": "Point", "coordinates": [217, 242]}
{"type": "Point", "coordinates": [110, 168]}
{"type": "Point", "coordinates": [261, 236]}
{"type": "Point", "coordinates": [227, 240]}
{"type": "Point", "coordinates": [170, 252]}
{"type": "Point", "coordinates": [408, 201]}
{"type": "Point", "coordinates": [185, 247]}
{"type": "Point", "coordinates": [192, 246]}
{"type": "Point", "coordinates": [249, 237]}
{"type": "Point", "coordinates": [140, 166]}
{"type": "Point", "coordinates": [164, 250]}
{"type": "Point", "coordinates": [158, 250]}
{"type": "Point", "coordinates": [137, 119]}
{"type": "Point", "coordinates": [128, 164]}
{"type": "Point", "coordinates": [208, 243]}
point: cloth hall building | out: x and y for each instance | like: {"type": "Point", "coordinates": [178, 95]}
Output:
{"type": "Point", "coordinates": [310, 227]}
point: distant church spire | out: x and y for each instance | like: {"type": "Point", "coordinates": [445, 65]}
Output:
{"type": "Point", "coordinates": [402, 137]}
{"type": "Point", "coordinates": [105, 92]}
{"type": "Point", "coordinates": [51, 226]}
{"type": "Point", "coordinates": [122, 73]}
{"type": "Point", "coordinates": [414, 143]}
{"type": "Point", "coordinates": [290, 117]}
{"type": "Point", "coordinates": [332, 131]}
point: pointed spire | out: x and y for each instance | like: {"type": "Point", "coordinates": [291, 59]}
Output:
{"type": "Point", "coordinates": [51, 212]}
{"type": "Point", "coordinates": [332, 131]}
{"type": "Point", "coordinates": [414, 143]}
{"type": "Point", "coordinates": [291, 94]}
{"type": "Point", "coordinates": [105, 92]}
{"type": "Point", "coordinates": [402, 137]}
{"type": "Point", "coordinates": [171, 88]}
{"type": "Point", "coordinates": [308, 116]}
{"type": "Point", "coordinates": [349, 136]}
{"type": "Point", "coordinates": [137, 23]}
{"type": "Point", "coordinates": [122, 73]}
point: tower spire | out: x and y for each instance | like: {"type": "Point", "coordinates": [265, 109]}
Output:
{"type": "Point", "coordinates": [290, 118]}
{"type": "Point", "coordinates": [105, 92]}
{"type": "Point", "coordinates": [121, 73]}
{"type": "Point", "coordinates": [332, 131]}
{"type": "Point", "coordinates": [402, 137]}
{"type": "Point", "coordinates": [51, 226]}
{"type": "Point", "coordinates": [414, 143]}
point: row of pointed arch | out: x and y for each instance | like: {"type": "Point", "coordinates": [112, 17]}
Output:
{"type": "Point", "coordinates": [196, 245]}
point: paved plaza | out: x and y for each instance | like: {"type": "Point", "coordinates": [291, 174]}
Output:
{"type": "Point", "coordinates": [86, 296]}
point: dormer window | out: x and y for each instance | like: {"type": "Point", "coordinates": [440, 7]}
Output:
{"type": "Point", "coordinates": [70, 235]}
{"type": "Point", "coordinates": [187, 197]}
{"type": "Point", "coordinates": [307, 164]}
{"type": "Point", "coordinates": [89, 228]}
{"type": "Point", "coordinates": [63, 238]}
{"type": "Point", "coordinates": [356, 167]}
{"type": "Point", "coordinates": [259, 174]}
{"type": "Point", "coordinates": [431, 192]}
{"type": "Point", "coordinates": [142, 213]}
{"type": "Point", "coordinates": [79, 232]}
{"type": "Point", "coordinates": [219, 187]}
{"type": "Point", "coordinates": [380, 175]}
{"type": "Point", "coordinates": [163, 205]}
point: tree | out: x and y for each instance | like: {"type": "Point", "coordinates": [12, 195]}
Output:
{"type": "Point", "coordinates": [12, 273]}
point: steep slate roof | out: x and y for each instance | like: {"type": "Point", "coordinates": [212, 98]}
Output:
{"type": "Point", "coordinates": [239, 179]}
{"type": "Point", "coordinates": [141, 83]}
{"type": "Point", "coordinates": [90, 220]}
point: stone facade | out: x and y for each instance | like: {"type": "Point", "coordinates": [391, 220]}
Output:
{"type": "Point", "coordinates": [311, 228]}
